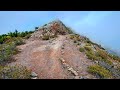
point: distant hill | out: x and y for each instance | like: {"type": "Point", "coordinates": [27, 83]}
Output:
{"type": "Point", "coordinates": [114, 52]}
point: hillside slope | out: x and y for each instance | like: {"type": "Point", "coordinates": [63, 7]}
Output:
{"type": "Point", "coordinates": [55, 52]}
{"type": "Point", "coordinates": [44, 58]}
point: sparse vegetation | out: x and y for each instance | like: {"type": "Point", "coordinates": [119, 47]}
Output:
{"type": "Point", "coordinates": [99, 70]}
{"type": "Point", "coordinates": [102, 54]}
{"type": "Point", "coordinates": [45, 37]}
{"type": "Point", "coordinates": [78, 43]}
{"type": "Point", "coordinates": [14, 72]}
{"type": "Point", "coordinates": [114, 57]}
{"type": "Point", "coordinates": [70, 31]}
{"type": "Point", "coordinates": [81, 49]}
{"type": "Point", "coordinates": [8, 49]}
{"type": "Point", "coordinates": [91, 56]}
{"type": "Point", "coordinates": [18, 41]}
{"type": "Point", "coordinates": [28, 36]}
{"type": "Point", "coordinates": [6, 52]}
{"type": "Point", "coordinates": [88, 48]}
{"type": "Point", "coordinates": [11, 35]}
{"type": "Point", "coordinates": [71, 36]}
{"type": "Point", "coordinates": [88, 44]}
{"type": "Point", "coordinates": [95, 56]}
{"type": "Point", "coordinates": [75, 37]}
{"type": "Point", "coordinates": [75, 41]}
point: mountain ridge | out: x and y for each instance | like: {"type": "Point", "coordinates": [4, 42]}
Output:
{"type": "Point", "coordinates": [54, 51]}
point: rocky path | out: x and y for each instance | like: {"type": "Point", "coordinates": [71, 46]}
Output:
{"type": "Point", "coordinates": [53, 59]}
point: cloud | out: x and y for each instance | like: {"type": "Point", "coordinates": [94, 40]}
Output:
{"type": "Point", "coordinates": [93, 18]}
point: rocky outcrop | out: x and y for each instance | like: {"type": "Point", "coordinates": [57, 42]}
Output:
{"type": "Point", "coordinates": [53, 28]}
{"type": "Point", "coordinates": [34, 75]}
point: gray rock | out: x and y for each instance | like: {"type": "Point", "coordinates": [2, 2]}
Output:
{"type": "Point", "coordinates": [62, 47]}
{"type": "Point", "coordinates": [96, 62]}
{"type": "Point", "coordinates": [77, 77]}
{"type": "Point", "coordinates": [76, 74]}
{"type": "Point", "coordinates": [81, 77]}
{"type": "Point", "coordinates": [70, 69]}
{"type": "Point", "coordinates": [34, 78]}
{"type": "Point", "coordinates": [33, 74]}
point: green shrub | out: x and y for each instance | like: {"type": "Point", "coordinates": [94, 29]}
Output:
{"type": "Point", "coordinates": [14, 72]}
{"type": "Point", "coordinates": [6, 52]}
{"type": "Point", "coordinates": [18, 41]}
{"type": "Point", "coordinates": [91, 56]}
{"type": "Point", "coordinates": [78, 43]}
{"type": "Point", "coordinates": [71, 36]}
{"type": "Point", "coordinates": [46, 37]}
{"type": "Point", "coordinates": [81, 49]}
{"type": "Point", "coordinates": [88, 48]}
{"type": "Point", "coordinates": [75, 41]}
{"type": "Point", "coordinates": [114, 57]}
{"type": "Point", "coordinates": [75, 37]}
{"type": "Point", "coordinates": [107, 61]}
{"type": "Point", "coordinates": [70, 31]}
{"type": "Point", "coordinates": [88, 41]}
{"type": "Point", "coordinates": [99, 70]}
{"type": "Point", "coordinates": [102, 54]}
{"type": "Point", "coordinates": [88, 44]}
{"type": "Point", "coordinates": [28, 36]}
{"type": "Point", "coordinates": [1, 40]}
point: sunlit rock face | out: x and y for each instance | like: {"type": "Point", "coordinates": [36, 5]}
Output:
{"type": "Point", "coordinates": [55, 27]}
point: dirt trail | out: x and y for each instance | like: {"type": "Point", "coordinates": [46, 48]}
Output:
{"type": "Point", "coordinates": [43, 57]}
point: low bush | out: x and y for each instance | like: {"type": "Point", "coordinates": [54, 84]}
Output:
{"type": "Point", "coordinates": [45, 37]}
{"type": "Point", "coordinates": [18, 41]}
{"type": "Point", "coordinates": [102, 54]}
{"type": "Point", "coordinates": [70, 31]}
{"type": "Point", "coordinates": [92, 56]}
{"type": "Point", "coordinates": [81, 49]}
{"type": "Point", "coordinates": [99, 70]}
{"type": "Point", "coordinates": [88, 48]}
{"type": "Point", "coordinates": [88, 44]}
{"type": "Point", "coordinates": [78, 43]}
{"type": "Point", "coordinates": [71, 36]}
{"type": "Point", "coordinates": [6, 52]}
{"type": "Point", "coordinates": [75, 41]}
{"type": "Point", "coordinates": [14, 72]}
{"type": "Point", "coordinates": [114, 57]}
{"type": "Point", "coordinates": [28, 36]}
{"type": "Point", "coordinates": [75, 37]}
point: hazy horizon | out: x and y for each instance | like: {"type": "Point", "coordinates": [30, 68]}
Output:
{"type": "Point", "coordinates": [100, 26]}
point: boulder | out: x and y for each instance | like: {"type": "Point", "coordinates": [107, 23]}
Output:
{"type": "Point", "coordinates": [33, 74]}
{"type": "Point", "coordinates": [77, 77]}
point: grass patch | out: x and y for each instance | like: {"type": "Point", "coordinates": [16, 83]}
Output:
{"type": "Point", "coordinates": [71, 36]}
{"type": "Point", "coordinates": [78, 43]}
{"type": "Point", "coordinates": [88, 44]}
{"type": "Point", "coordinates": [18, 41]}
{"type": "Point", "coordinates": [81, 49]}
{"type": "Point", "coordinates": [88, 48]}
{"type": "Point", "coordinates": [9, 49]}
{"type": "Point", "coordinates": [92, 56]}
{"type": "Point", "coordinates": [75, 41]}
{"type": "Point", "coordinates": [114, 57]}
{"type": "Point", "coordinates": [75, 37]}
{"type": "Point", "coordinates": [46, 37]}
{"type": "Point", "coordinates": [27, 36]}
{"type": "Point", "coordinates": [14, 72]}
{"type": "Point", "coordinates": [102, 72]}
{"type": "Point", "coordinates": [102, 54]}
